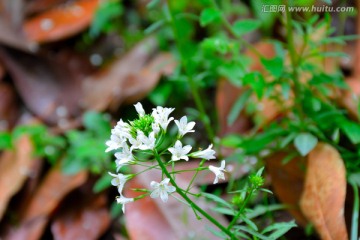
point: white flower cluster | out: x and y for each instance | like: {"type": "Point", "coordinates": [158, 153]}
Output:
{"type": "Point", "coordinates": [145, 133]}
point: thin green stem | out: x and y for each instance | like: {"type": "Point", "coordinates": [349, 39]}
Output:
{"type": "Point", "coordinates": [355, 214]}
{"type": "Point", "coordinates": [193, 205]}
{"type": "Point", "coordinates": [237, 216]}
{"type": "Point", "coordinates": [193, 86]}
{"type": "Point", "coordinates": [195, 174]}
{"type": "Point", "coordinates": [294, 61]}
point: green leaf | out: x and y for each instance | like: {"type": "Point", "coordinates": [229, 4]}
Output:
{"type": "Point", "coordinates": [217, 233]}
{"type": "Point", "coordinates": [231, 140]}
{"type": "Point", "coordinates": [275, 66]}
{"type": "Point", "coordinates": [305, 142]}
{"type": "Point", "coordinates": [279, 229]}
{"type": "Point", "coordinates": [238, 106]}
{"type": "Point", "coordinates": [224, 211]}
{"type": "Point", "coordinates": [249, 222]}
{"type": "Point", "coordinates": [97, 123]}
{"type": "Point", "coordinates": [352, 130]}
{"type": "Point", "coordinates": [104, 16]}
{"type": "Point", "coordinates": [209, 15]}
{"type": "Point", "coordinates": [242, 27]}
{"type": "Point", "coordinates": [217, 199]}
{"type": "Point", "coordinates": [102, 183]}
{"type": "Point", "coordinates": [5, 140]}
{"type": "Point", "coordinates": [257, 83]}
{"type": "Point", "coordinates": [252, 232]}
{"type": "Point", "coordinates": [354, 178]}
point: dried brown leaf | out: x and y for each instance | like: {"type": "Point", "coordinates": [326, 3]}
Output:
{"type": "Point", "coordinates": [128, 78]}
{"type": "Point", "coordinates": [88, 220]}
{"type": "Point", "coordinates": [323, 198]}
{"type": "Point", "coordinates": [287, 181]}
{"type": "Point", "coordinates": [43, 203]}
{"type": "Point", "coordinates": [14, 169]}
{"type": "Point", "coordinates": [61, 22]}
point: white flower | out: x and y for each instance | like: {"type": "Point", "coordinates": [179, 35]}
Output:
{"type": "Point", "coordinates": [161, 189]}
{"type": "Point", "coordinates": [115, 142]}
{"type": "Point", "coordinates": [124, 157]}
{"type": "Point", "coordinates": [119, 180]}
{"type": "Point", "coordinates": [139, 108]}
{"type": "Point", "coordinates": [136, 142]}
{"type": "Point", "coordinates": [184, 126]}
{"type": "Point", "coordinates": [148, 142]}
{"type": "Point", "coordinates": [123, 200]}
{"type": "Point", "coordinates": [156, 128]}
{"type": "Point", "coordinates": [121, 129]}
{"type": "Point", "coordinates": [179, 152]}
{"type": "Point", "coordinates": [218, 171]}
{"type": "Point", "coordinates": [205, 154]}
{"type": "Point", "coordinates": [161, 116]}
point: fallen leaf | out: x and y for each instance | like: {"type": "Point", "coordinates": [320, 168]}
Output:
{"type": "Point", "coordinates": [15, 167]}
{"type": "Point", "coordinates": [61, 22]}
{"type": "Point", "coordinates": [47, 197]}
{"type": "Point", "coordinates": [9, 107]}
{"type": "Point", "coordinates": [43, 86]}
{"type": "Point", "coordinates": [84, 218]}
{"type": "Point", "coordinates": [10, 36]}
{"type": "Point", "coordinates": [323, 198]}
{"type": "Point", "coordinates": [287, 181]}
{"type": "Point", "coordinates": [36, 6]}
{"type": "Point", "coordinates": [128, 78]}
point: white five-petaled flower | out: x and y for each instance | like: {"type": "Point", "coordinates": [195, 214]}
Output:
{"type": "Point", "coordinates": [148, 142]}
{"type": "Point", "coordinates": [161, 116]}
{"type": "Point", "coordinates": [179, 152]}
{"type": "Point", "coordinates": [123, 200]}
{"type": "Point", "coordinates": [124, 157]}
{"type": "Point", "coordinates": [184, 127]}
{"type": "Point", "coordinates": [119, 180]}
{"type": "Point", "coordinates": [115, 142]}
{"type": "Point", "coordinates": [218, 171]}
{"type": "Point", "coordinates": [205, 154]}
{"type": "Point", "coordinates": [139, 108]}
{"type": "Point", "coordinates": [162, 189]}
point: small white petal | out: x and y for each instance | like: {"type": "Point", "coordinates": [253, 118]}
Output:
{"type": "Point", "coordinates": [139, 108]}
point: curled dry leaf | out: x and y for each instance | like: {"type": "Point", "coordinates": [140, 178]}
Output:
{"type": "Point", "coordinates": [128, 78]}
{"type": "Point", "coordinates": [287, 181]}
{"type": "Point", "coordinates": [45, 200]}
{"type": "Point", "coordinates": [151, 219]}
{"type": "Point", "coordinates": [88, 220]}
{"type": "Point", "coordinates": [61, 22]}
{"type": "Point", "coordinates": [323, 198]}
{"type": "Point", "coordinates": [14, 170]}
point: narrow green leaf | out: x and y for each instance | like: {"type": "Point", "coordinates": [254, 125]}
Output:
{"type": "Point", "coordinates": [238, 107]}
{"type": "Point", "coordinates": [305, 142]}
{"type": "Point", "coordinates": [242, 27]}
{"type": "Point", "coordinates": [217, 199]}
{"type": "Point", "coordinates": [102, 183]}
